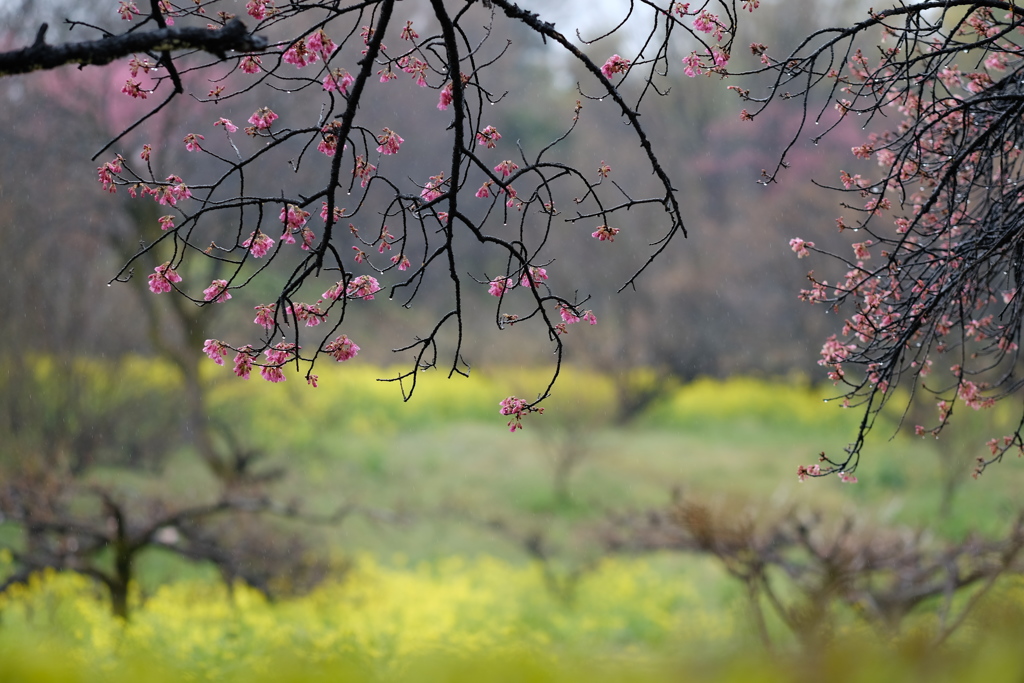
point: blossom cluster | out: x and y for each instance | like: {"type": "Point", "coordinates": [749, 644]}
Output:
{"type": "Point", "coordinates": [340, 132]}
{"type": "Point", "coordinates": [163, 279]}
{"type": "Point", "coordinates": [938, 272]}
{"type": "Point", "coordinates": [517, 408]}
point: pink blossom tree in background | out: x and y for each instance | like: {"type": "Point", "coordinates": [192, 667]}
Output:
{"type": "Point", "coordinates": [318, 193]}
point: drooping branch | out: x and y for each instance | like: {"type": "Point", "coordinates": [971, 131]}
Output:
{"type": "Point", "coordinates": [234, 36]}
{"type": "Point", "coordinates": [497, 200]}
{"type": "Point", "coordinates": [934, 286]}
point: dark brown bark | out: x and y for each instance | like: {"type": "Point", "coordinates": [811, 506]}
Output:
{"type": "Point", "coordinates": [233, 36]}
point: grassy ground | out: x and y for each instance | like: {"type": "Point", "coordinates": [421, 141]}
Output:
{"type": "Point", "coordinates": [445, 458]}
{"type": "Point", "coordinates": [438, 472]}
{"type": "Point", "coordinates": [459, 620]}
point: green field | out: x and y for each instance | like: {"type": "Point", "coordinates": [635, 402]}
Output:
{"type": "Point", "coordinates": [434, 578]}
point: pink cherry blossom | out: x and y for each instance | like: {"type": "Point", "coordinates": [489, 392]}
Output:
{"type": "Point", "coordinates": [805, 471]}
{"type": "Point", "coordinates": [860, 249]}
{"type": "Point", "coordinates": [432, 190]}
{"type": "Point", "coordinates": [277, 356]}
{"type": "Point", "coordinates": [259, 9]}
{"type": "Point", "coordinates": [500, 285]}
{"type": "Point", "coordinates": [342, 348]}
{"type": "Point", "coordinates": [692, 66]}
{"type": "Point", "coordinates": [335, 291]}
{"type": "Point", "coordinates": [338, 79]}
{"type": "Point", "coordinates": [363, 170]}
{"type": "Point", "coordinates": [517, 408]}
{"type": "Point", "coordinates": [228, 126]}
{"type": "Point", "coordinates": [389, 141]}
{"type": "Point", "coordinates": [134, 89]}
{"type": "Point", "coordinates": [243, 361]}
{"type": "Point", "coordinates": [605, 233]}
{"type": "Point", "coordinates": [146, 153]}
{"type": "Point", "coordinates": [362, 287]}
{"type": "Point", "coordinates": [166, 8]}
{"type": "Point", "coordinates": [107, 171]}
{"type": "Point", "coordinates": [166, 222]}
{"type": "Point", "coordinates": [506, 168]}
{"type": "Point", "coordinates": [445, 100]}
{"type": "Point", "coordinates": [538, 275]}
{"type": "Point", "coordinates": [615, 65]}
{"type": "Point", "coordinates": [834, 351]}
{"type": "Point", "coordinates": [568, 316]}
{"type": "Point", "coordinates": [192, 142]}
{"type": "Point", "coordinates": [402, 261]}
{"type": "Point", "coordinates": [135, 65]}
{"type": "Point", "coordinates": [320, 44]}
{"type": "Point", "coordinates": [706, 22]}
{"type": "Point", "coordinates": [299, 55]}
{"type": "Point", "coordinates": [295, 220]}
{"type": "Point", "coordinates": [216, 350]}
{"type": "Point", "coordinates": [280, 353]}
{"type": "Point", "coordinates": [408, 33]}
{"type": "Point", "coordinates": [272, 374]}
{"type": "Point", "coordinates": [339, 212]}
{"type": "Point", "coordinates": [258, 244]}
{"type": "Point", "coordinates": [310, 314]}
{"type": "Point", "coordinates": [589, 317]}
{"type": "Point", "coordinates": [417, 69]}
{"type": "Point", "coordinates": [800, 247]}
{"type": "Point", "coordinates": [126, 10]}
{"type": "Point", "coordinates": [170, 194]}
{"type": "Point", "coordinates": [483, 193]}
{"type": "Point", "coordinates": [262, 118]}
{"type": "Point", "coordinates": [250, 64]}
{"type": "Point", "coordinates": [385, 240]}
{"type": "Point", "coordinates": [307, 238]}
{"type": "Point", "coordinates": [512, 194]}
{"type": "Point", "coordinates": [217, 292]}
{"type": "Point", "coordinates": [160, 281]}
{"type": "Point", "coordinates": [489, 136]}
{"type": "Point", "coordinates": [513, 406]}
{"type": "Point", "coordinates": [293, 216]}
{"type": "Point", "coordinates": [265, 315]}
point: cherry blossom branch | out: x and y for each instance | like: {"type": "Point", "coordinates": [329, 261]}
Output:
{"type": "Point", "coordinates": [494, 200]}
{"type": "Point", "coordinates": [942, 216]}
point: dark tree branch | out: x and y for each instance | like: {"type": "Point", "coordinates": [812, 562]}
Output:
{"type": "Point", "coordinates": [233, 36]}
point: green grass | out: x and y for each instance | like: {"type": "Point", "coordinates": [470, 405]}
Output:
{"type": "Point", "coordinates": [443, 468]}
{"type": "Point", "coordinates": [447, 453]}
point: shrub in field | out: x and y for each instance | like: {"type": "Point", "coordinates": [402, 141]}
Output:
{"type": "Point", "coordinates": [816, 576]}
{"type": "Point", "coordinates": [75, 412]}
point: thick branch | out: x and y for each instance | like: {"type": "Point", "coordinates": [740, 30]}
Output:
{"type": "Point", "coordinates": [233, 36]}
